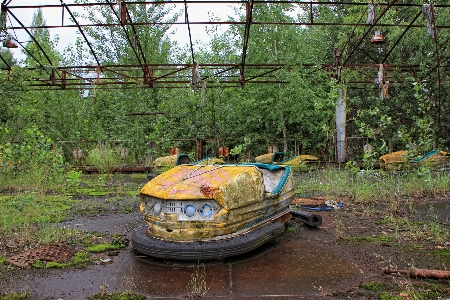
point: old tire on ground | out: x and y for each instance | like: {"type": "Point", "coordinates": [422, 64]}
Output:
{"type": "Point", "coordinates": [205, 250]}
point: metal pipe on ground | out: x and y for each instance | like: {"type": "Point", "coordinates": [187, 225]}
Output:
{"type": "Point", "coordinates": [308, 218]}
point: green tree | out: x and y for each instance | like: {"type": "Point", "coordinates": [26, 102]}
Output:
{"type": "Point", "coordinates": [41, 51]}
{"type": "Point", "coordinates": [8, 57]}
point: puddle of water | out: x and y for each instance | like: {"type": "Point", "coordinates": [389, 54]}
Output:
{"type": "Point", "coordinates": [291, 269]}
{"type": "Point", "coordinates": [106, 224]}
{"type": "Point", "coordinates": [294, 268]}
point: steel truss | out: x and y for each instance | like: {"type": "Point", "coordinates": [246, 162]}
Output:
{"type": "Point", "coordinates": [179, 75]}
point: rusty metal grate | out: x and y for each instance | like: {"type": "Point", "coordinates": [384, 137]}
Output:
{"type": "Point", "coordinates": [59, 252]}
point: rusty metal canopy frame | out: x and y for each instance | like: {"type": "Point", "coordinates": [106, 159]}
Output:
{"type": "Point", "coordinates": [148, 75]}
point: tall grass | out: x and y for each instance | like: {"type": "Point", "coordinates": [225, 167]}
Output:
{"type": "Point", "coordinates": [33, 208]}
{"type": "Point", "coordinates": [391, 193]}
{"type": "Point", "coordinates": [371, 186]}
{"type": "Point", "coordinates": [104, 159]}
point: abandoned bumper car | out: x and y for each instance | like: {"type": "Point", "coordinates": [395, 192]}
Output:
{"type": "Point", "coordinates": [200, 212]}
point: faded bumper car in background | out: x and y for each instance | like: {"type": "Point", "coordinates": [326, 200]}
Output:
{"type": "Point", "coordinates": [198, 212]}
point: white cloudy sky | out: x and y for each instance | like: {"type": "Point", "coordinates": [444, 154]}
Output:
{"type": "Point", "coordinates": [67, 36]}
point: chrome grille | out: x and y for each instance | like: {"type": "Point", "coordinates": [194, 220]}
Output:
{"type": "Point", "coordinates": [155, 207]}
{"type": "Point", "coordinates": [172, 207]}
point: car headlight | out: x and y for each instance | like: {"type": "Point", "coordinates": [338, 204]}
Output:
{"type": "Point", "coordinates": [153, 206]}
{"type": "Point", "coordinates": [195, 210]}
{"type": "Point", "coordinates": [206, 210]}
{"type": "Point", "coordinates": [157, 208]}
{"type": "Point", "coordinates": [190, 211]}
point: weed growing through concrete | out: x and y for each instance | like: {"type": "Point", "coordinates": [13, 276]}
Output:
{"type": "Point", "coordinates": [104, 247]}
{"type": "Point", "coordinates": [424, 290]}
{"type": "Point", "coordinates": [290, 229]}
{"type": "Point", "coordinates": [16, 296]}
{"type": "Point", "coordinates": [129, 282]}
{"type": "Point", "coordinates": [197, 284]}
{"type": "Point", "coordinates": [340, 230]}
{"type": "Point", "coordinates": [81, 259]}
{"type": "Point", "coordinates": [106, 295]}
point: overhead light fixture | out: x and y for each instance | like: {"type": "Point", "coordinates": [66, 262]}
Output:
{"type": "Point", "coordinates": [10, 44]}
{"type": "Point", "coordinates": [377, 37]}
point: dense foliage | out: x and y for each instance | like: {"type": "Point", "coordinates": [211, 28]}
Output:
{"type": "Point", "coordinates": [248, 119]}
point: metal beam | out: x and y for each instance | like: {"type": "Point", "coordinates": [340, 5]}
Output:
{"type": "Point", "coordinates": [401, 36]}
{"type": "Point", "coordinates": [33, 38]}
{"type": "Point", "coordinates": [367, 31]}
{"type": "Point", "coordinates": [186, 19]}
{"type": "Point", "coordinates": [237, 2]}
{"type": "Point", "coordinates": [248, 22]}
{"type": "Point", "coordinates": [125, 32]}
{"type": "Point", "coordinates": [5, 62]}
{"type": "Point", "coordinates": [81, 32]}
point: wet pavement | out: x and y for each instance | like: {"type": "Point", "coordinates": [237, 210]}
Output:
{"type": "Point", "coordinates": [287, 268]}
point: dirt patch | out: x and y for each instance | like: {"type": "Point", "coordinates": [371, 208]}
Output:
{"type": "Point", "coordinates": [398, 236]}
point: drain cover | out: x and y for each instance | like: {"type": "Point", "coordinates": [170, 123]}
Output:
{"type": "Point", "coordinates": [59, 252]}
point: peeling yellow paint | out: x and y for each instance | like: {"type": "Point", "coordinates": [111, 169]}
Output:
{"type": "Point", "coordinates": [264, 158]}
{"type": "Point", "coordinates": [300, 159]}
{"type": "Point", "coordinates": [239, 190]}
{"type": "Point", "coordinates": [165, 161]}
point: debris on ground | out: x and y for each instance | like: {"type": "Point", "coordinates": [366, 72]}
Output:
{"type": "Point", "coordinates": [313, 204]}
{"type": "Point", "coordinates": [308, 218]}
{"type": "Point", "coordinates": [59, 252]}
{"type": "Point", "coordinates": [421, 273]}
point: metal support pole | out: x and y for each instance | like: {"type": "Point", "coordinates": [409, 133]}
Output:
{"type": "Point", "coordinates": [340, 127]}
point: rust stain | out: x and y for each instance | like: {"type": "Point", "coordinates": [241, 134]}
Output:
{"type": "Point", "coordinates": [58, 252]}
{"type": "Point", "coordinates": [207, 191]}
{"type": "Point", "coordinates": [284, 218]}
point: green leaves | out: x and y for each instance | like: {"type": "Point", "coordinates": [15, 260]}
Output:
{"type": "Point", "coordinates": [301, 106]}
